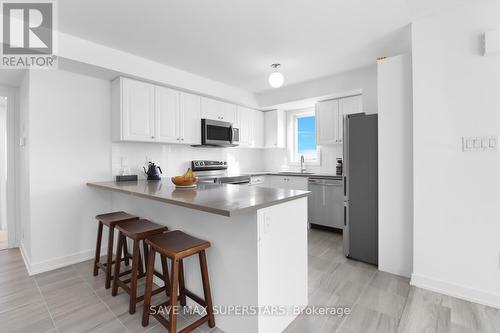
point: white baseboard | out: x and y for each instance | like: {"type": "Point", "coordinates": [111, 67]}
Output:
{"type": "Point", "coordinates": [456, 290]}
{"type": "Point", "coordinates": [51, 264]}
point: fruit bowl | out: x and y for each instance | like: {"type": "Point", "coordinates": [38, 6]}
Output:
{"type": "Point", "coordinates": [184, 181]}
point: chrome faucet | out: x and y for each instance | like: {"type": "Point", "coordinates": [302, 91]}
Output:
{"type": "Point", "coordinates": [302, 163]}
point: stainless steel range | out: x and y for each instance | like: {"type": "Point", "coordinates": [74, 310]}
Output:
{"type": "Point", "coordinates": [216, 172]}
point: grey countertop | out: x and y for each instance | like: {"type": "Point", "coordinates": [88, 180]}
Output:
{"type": "Point", "coordinates": [221, 199]}
{"type": "Point", "coordinates": [293, 174]}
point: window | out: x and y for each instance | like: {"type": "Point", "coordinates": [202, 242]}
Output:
{"type": "Point", "coordinates": [302, 138]}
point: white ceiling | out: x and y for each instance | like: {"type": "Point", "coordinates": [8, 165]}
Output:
{"type": "Point", "coordinates": [235, 41]}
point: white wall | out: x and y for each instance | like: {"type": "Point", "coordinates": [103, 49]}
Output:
{"type": "Point", "coordinates": [3, 161]}
{"type": "Point", "coordinates": [456, 194]}
{"type": "Point", "coordinates": [126, 64]}
{"type": "Point", "coordinates": [175, 159]}
{"type": "Point", "coordinates": [23, 200]}
{"type": "Point", "coordinates": [395, 156]}
{"type": "Point", "coordinates": [363, 78]}
{"type": "Point", "coordinates": [276, 159]}
{"type": "Point", "coordinates": [69, 144]}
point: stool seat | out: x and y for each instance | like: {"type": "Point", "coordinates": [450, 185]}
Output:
{"type": "Point", "coordinates": [112, 219]}
{"type": "Point", "coordinates": [137, 231]}
{"type": "Point", "coordinates": [140, 229]}
{"type": "Point", "coordinates": [177, 244]}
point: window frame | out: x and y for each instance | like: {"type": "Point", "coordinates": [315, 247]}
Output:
{"type": "Point", "coordinates": [292, 146]}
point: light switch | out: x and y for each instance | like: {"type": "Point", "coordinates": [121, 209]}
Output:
{"type": "Point", "coordinates": [480, 143]}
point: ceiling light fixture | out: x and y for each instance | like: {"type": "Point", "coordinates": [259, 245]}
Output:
{"type": "Point", "coordinates": [276, 78]}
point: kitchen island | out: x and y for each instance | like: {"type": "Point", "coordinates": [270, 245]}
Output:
{"type": "Point", "coordinates": [258, 258]}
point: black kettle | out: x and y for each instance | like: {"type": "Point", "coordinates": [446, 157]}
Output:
{"type": "Point", "coordinates": [152, 171]}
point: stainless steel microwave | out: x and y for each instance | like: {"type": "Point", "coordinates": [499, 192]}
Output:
{"type": "Point", "coordinates": [219, 133]}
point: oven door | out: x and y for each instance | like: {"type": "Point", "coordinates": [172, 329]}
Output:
{"type": "Point", "coordinates": [214, 132]}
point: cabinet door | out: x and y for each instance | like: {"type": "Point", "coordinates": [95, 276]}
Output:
{"type": "Point", "coordinates": [327, 116]}
{"type": "Point", "coordinates": [211, 109]}
{"type": "Point", "coordinates": [190, 119]}
{"type": "Point", "coordinates": [137, 110]}
{"type": "Point", "coordinates": [229, 112]}
{"type": "Point", "coordinates": [279, 182]}
{"type": "Point", "coordinates": [348, 105]}
{"type": "Point", "coordinates": [245, 125]}
{"type": "Point", "coordinates": [298, 183]}
{"type": "Point", "coordinates": [167, 115]}
{"type": "Point", "coordinates": [258, 129]}
{"type": "Point", "coordinates": [271, 124]}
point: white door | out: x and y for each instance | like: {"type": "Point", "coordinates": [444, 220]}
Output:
{"type": "Point", "coordinates": [190, 119]}
{"type": "Point", "coordinates": [348, 105]}
{"type": "Point", "coordinates": [327, 115]}
{"type": "Point", "coordinates": [167, 115]}
{"type": "Point", "coordinates": [138, 111]}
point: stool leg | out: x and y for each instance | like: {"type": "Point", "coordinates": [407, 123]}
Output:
{"type": "Point", "coordinates": [145, 248]}
{"type": "Point", "coordinates": [206, 288]}
{"type": "Point", "coordinates": [173, 296]}
{"type": "Point", "coordinates": [133, 281]}
{"type": "Point", "coordinates": [116, 274]}
{"type": "Point", "coordinates": [125, 254]}
{"type": "Point", "coordinates": [166, 279]}
{"type": "Point", "coordinates": [149, 287]}
{"type": "Point", "coordinates": [98, 249]}
{"type": "Point", "coordinates": [182, 288]}
{"type": "Point", "coordinates": [110, 257]}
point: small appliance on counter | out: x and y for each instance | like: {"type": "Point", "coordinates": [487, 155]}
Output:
{"type": "Point", "coordinates": [153, 171]}
{"type": "Point", "coordinates": [339, 167]}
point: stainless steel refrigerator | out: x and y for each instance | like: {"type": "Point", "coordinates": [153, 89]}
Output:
{"type": "Point", "coordinates": [361, 187]}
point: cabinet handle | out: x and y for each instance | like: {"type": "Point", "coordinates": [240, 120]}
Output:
{"type": "Point", "coordinates": [152, 136]}
{"type": "Point", "coordinates": [182, 139]}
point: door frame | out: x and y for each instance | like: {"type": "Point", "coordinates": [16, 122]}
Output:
{"type": "Point", "coordinates": [13, 230]}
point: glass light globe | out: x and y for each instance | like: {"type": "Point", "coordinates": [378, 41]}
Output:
{"type": "Point", "coordinates": [276, 79]}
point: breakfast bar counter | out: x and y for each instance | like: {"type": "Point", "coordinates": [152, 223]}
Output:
{"type": "Point", "coordinates": [257, 260]}
{"type": "Point", "coordinates": [222, 199]}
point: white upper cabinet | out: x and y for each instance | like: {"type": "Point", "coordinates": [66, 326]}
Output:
{"type": "Point", "coordinates": [190, 119]}
{"type": "Point", "coordinates": [330, 118]}
{"type": "Point", "coordinates": [327, 122]}
{"type": "Point", "coordinates": [348, 105]}
{"type": "Point", "coordinates": [258, 129]}
{"type": "Point", "coordinates": [245, 126]}
{"type": "Point", "coordinates": [135, 102]}
{"type": "Point", "coordinates": [145, 112]}
{"type": "Point", "coordinates": [251, 126]}
{"type": "Point", "coordinates": [167, 115]}
{"type": "Point", "coordinates": [217, 110]}
{"type": "Point", "coordinates": [274, 131]}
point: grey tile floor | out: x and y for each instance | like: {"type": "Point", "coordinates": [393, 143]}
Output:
{"type": "Point", "coordinates": [70, 299]}
{"type": "Point", "coordinates": [380, 302]}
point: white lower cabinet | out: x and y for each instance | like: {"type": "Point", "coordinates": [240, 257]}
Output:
{"type": "Point", "coordinates": [288, 182]}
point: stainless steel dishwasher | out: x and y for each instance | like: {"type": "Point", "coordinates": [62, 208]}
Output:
{"type": "Point", "coordinates": [326, 202]}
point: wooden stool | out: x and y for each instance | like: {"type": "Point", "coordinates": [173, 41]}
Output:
{"type": "Point", "coordinates": [177, 245]}
{"type": "Point", "coordinates": [137, 231]}
{"type": "Point", "coordinates": [110, 220]}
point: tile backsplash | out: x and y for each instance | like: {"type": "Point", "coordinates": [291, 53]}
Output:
{"type": "Point", "coordinates": [175, 159]}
